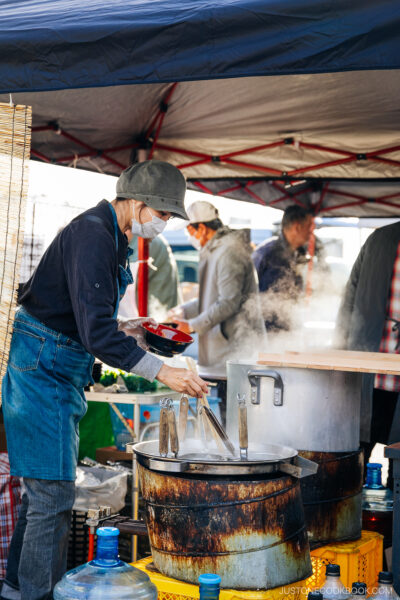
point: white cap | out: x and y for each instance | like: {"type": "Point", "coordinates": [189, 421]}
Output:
{"type": "Point", "coordinates": [201, 212]}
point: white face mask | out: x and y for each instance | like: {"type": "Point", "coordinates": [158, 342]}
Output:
{"type": "Point", "coordinates": [150, 229]}
{"type": "Point", "coordinates": [195, 242]}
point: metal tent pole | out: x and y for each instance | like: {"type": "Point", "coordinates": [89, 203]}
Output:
{"type": "Point", "coordinates": [143, 277]}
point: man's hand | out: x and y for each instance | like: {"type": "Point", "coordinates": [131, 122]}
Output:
{"type": "Point", "coordinates": [183, 325]}
{"type": "Point", "coordinates": [176, 312]}
{"type": "Point", "coordinates": [134, 327]}
{"type": "Point", "coordinates": [182, 380]}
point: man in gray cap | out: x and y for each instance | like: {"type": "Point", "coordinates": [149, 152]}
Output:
{"type": "Point", "coordinates": [67, 316]}
{"type": "Point", "coordinates": [227, 312]}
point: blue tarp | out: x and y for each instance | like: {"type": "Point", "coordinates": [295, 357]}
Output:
{"type": "Point", "coordinates": [59, 44]}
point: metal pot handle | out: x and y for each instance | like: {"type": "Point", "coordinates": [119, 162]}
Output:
{"type": "Point", "coordinates": [254, 379]}
{"type": "Point", "coordinates": [299, 467]}
{"type": "Point", "coordinates": [173, 467]}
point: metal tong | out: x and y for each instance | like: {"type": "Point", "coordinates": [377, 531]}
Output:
{"type": "Point", "coordinates": [243, 430]}
{"type": "Point", "coordinates": [168, 430]}
{"type": "Point", "coordinates": [183, 418]}
{"type": "Point", "coordinates": [217, 428]}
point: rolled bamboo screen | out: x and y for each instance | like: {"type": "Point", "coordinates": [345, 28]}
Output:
{"type": "Point", "coordinates": [15, 141]}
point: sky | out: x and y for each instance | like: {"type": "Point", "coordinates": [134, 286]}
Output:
{"type": "Point", "coordinates": [52, 187]}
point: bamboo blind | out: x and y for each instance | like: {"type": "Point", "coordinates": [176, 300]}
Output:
{"type": "Point", "coordinates": [15, 141]}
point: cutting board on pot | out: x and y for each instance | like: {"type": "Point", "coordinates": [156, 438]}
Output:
{"type": "Point", "coordinates": [335, 360]}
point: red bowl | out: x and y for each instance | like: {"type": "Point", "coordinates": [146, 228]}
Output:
{"type": "Point", "coordinates": [165, 340]}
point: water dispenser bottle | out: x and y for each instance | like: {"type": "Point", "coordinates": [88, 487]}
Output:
{"type": "Point", "coordinates": [377, 505]}
{"type": "Point", "coordinates": [373, 480]}
{"type": "Point", "coordinates": [209, 586]}
{"type": "Point", "coordinates": [106, 577]}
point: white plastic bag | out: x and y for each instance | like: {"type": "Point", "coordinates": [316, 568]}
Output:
{"type": "Point", "coordinates": [95, 487]}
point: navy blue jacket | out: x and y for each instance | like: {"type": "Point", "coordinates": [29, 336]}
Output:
{"type": "Point", "coordinates": [74, 291]}
{"type": "Point", "coordinates": [275, 263]}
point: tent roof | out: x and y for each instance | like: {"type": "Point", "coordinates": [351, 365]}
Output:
{"type": "Point", "coordinates": [337, 198]}
{"type": "Point", "coordinates": [52, 45]}
{"type": "Point", "coordinates": [267, 91]}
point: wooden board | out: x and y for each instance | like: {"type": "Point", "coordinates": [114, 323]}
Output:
{"type": "Point", "coordinates": [335, 360]}
{"type": "Point", "coordinates": [111, 453]}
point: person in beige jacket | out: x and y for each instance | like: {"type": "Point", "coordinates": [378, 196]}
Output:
{"type": "Point", "coordinates": [227, 308]}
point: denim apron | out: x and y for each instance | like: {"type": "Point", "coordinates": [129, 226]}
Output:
{"type": "Point", "coordinates": [42, 393]}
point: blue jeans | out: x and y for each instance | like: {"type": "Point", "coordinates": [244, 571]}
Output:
{"type": "Point", "coordinates": [43, 400]}
{"type": "Point", "coordinates": [38, 552]}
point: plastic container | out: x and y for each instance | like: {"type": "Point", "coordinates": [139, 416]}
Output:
{"type": "Point", "coordinates": [106, 577]}
{"type": "Point", "coordinates": [78, 542]}
{"type": "Point", "coordinates": [377, 505]}
{"type": "Point", "coordinates": [359, 560]}
{"type": "Point", "coordinates": [373, 479]}
{"type": "Point", "coordinates": [333, 588]}
{"type": "Point", "coordinates": [209, 585]}
{"type": "Point", "coordinates": [385, 590]}
{"type": "Point", "coordinates": [173, 589]}
{"type": "Point", "coordinates": [96, 486]}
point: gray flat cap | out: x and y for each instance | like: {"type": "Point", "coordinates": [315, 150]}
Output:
{"type": "Point", "coordinates": [158, 184]}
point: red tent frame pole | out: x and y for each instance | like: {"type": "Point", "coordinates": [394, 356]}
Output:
{"type": "Point", "coordinates": [143, 277]}
{"type": "Point", "coordinates": [143, 258]}
{"type": "Point", "coordinates": [287, 196]}
{"type": "Point", "coordinates": [143, 245]}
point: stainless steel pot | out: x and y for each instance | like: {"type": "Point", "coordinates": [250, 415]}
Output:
{"type": "Point", "coordinates": [307, 409]}
{"type": "Point", "coordinates": [262, 458]}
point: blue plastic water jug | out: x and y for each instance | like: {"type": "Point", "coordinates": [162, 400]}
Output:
{"type": "Point", "coordinates": [374, 477]}
{"type": "Point", "coordinates": [106, 577]}
{"type": "Point", "coordinates": [209, 586]}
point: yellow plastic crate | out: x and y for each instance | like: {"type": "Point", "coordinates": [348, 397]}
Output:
{"type": "Point", "coordinates": [359, 561]}
{"type": "Point", "coordinates": [173, 589]}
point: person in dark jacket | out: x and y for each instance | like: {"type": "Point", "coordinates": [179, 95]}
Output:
{"type": "Point", "coordinates": [276, 262]}
{"type": "Point", "coordinates": [368, 320]}
{"type": "Point", "coordinates": [67, 316]}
